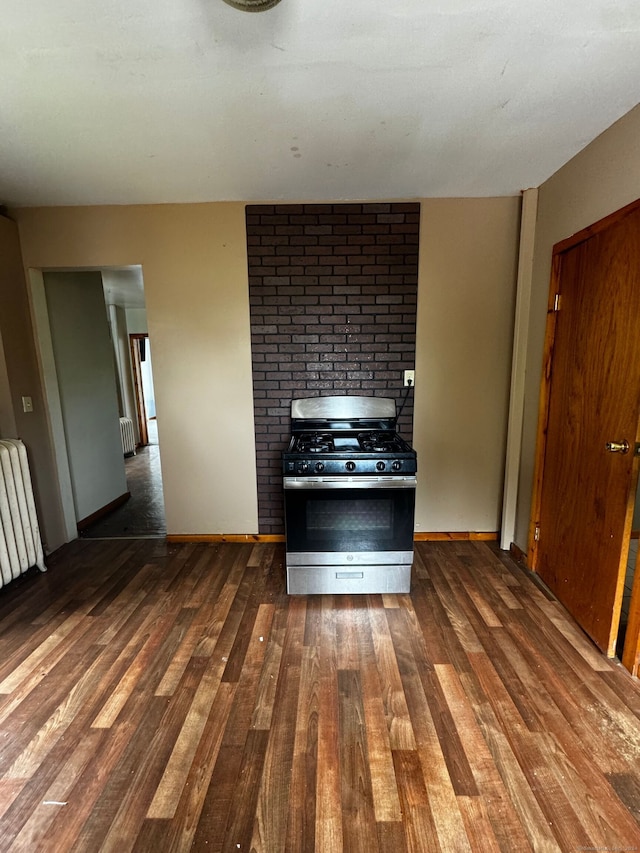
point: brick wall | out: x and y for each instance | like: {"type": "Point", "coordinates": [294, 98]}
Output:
{"type": "Point", "coordinates": [333, 292]}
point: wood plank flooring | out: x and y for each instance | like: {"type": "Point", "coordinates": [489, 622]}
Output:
{"type": "Point", "coordinates": [173, 698]}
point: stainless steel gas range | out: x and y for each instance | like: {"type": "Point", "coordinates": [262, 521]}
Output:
{"type": "Point", "coordinates": [349, 496]}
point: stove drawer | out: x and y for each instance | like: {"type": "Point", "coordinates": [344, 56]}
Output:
{"type": "Point", "coordinates": [321, 580]}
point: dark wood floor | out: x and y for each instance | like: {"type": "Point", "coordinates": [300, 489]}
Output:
{"type": "Point", "coordinates": [159, 697]}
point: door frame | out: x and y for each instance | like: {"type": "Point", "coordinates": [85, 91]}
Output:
{"type": "Point", "coordinates": [53, 406]}
{"type": "Point", "coordinates": [138, 389]}
{"type": "Point", "coordinates": [631, 653]}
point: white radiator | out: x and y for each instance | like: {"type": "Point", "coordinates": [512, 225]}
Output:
{"type": "Point", "coordinates": [128, 438]}
{"type": "Point", "coordinates": [20, 545]}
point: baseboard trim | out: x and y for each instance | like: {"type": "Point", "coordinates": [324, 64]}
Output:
{"type": "Point", "coordinates": [518, 554]}
{"type": "Point", "coordinates": [105, 510]}
{"type": "Point", "coordinates": [464, 536]}
{"type": "Point", "coordinates": [223, 537]}
{"type": "Point", "coordinates": [458, 536]}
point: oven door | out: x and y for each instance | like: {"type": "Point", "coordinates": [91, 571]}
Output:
{"type": "Point", "coordinates": [349, 520]}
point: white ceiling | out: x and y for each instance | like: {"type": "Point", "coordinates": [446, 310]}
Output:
{"type": "Point", "coordinates": [146, 101]}
{"type": "Point", "coordinates": [123, 286]}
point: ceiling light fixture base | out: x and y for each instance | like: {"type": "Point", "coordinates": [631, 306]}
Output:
{"type": "Point", "coordinates": [252, 5]}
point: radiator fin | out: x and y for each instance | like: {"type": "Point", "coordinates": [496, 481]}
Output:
{"type": "Point", "coordinates": [128, 438]}
{"type": "Point", "coordinates": [20, 545]}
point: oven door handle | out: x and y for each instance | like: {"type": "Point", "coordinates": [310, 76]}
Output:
{"type": "Point", "coordinates": [349, 482]}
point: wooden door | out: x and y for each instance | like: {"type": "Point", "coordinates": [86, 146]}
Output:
{"type": "Point", "coordinates": [586, 499]}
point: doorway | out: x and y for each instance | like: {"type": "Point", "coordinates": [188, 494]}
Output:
{"type": "Point", "coordinates": [143, 514]}
{"type": "Point", "coordinates": [630, 576]}
{"type": "Point", "coordinates": [632, 565]}
{"type": "Point", "coordinates": [586, 465]}
{"type": "Point", "coordinates": [123, 307]}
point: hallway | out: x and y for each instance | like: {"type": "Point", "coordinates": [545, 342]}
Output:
{"type": "Point", "coordinates": [143, 514]}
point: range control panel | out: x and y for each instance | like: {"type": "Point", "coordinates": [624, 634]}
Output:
{"type": "Point", "coordinates": [350, 466]}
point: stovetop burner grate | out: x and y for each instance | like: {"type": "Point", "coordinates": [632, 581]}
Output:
{"type": "Point", "coordinates": [316, 443]}
{"type": "Point", "coordinates": [380, 442]}
{"type": "Point", "coordinates": [346, 436]}
{"type": "Point", "coordinates": [363, 442]}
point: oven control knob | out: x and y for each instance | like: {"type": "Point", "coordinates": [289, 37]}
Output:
{"type": "Point", "coordinates": [319, 466]}
{"type": "Point", "coordinates": [350, 466]}
{"type": "Point", "coordinates": [396, 466]}
{"type": "Point", "coordinates": [304, 466]}
{"type": "Point", "coordinates": [380, 466]}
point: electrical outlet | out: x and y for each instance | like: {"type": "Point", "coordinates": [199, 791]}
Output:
{"type": "Point", "coordinates": [409, 377]}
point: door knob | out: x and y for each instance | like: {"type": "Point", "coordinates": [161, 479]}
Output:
{"type": "Point", "coordinates": [618, 446]}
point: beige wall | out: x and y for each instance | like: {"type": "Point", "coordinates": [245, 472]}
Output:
{"type": "Point", "coordinates": [8, 427]}
{"type": "Point", "coordinates": [23, 379]}
{"type": "Point", "coordinates": [604, 177]}
{"type": "Point", "coordinates": [195, 274]}
{"type": "Point", "coordinates": [468, 257]}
